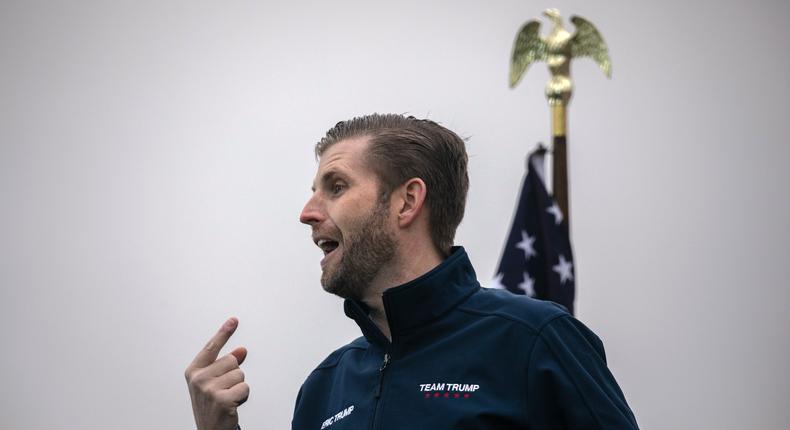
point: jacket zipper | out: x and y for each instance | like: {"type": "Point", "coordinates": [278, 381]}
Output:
{"type": "Point", "coordinates": [382, 368]}
{"type": "Point", "coordinates": [381, 374]}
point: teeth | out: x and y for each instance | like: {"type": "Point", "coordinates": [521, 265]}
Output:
{"type": "Point", "coordinates": [327, 245]}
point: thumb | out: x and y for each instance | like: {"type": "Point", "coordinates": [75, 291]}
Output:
{"type": "Point", "coordinates": [240, 353]}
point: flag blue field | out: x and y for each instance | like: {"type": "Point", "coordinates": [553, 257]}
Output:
{"type": "Point", "coordinates": [537, 259]}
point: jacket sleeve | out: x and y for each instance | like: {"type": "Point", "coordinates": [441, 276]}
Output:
{"type": "Point", "coordinates": [296, 408]}
{"type": "Point", "coordinates": [568, 383]}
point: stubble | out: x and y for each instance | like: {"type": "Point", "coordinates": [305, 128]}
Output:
{"type": "Point", "coordinates": [367, 247]}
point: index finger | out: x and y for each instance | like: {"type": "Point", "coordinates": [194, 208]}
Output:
{"type": "Point", "coordinates": [209, 353]}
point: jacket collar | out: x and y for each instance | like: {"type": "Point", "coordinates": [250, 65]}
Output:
{"type": "Point", "coordinates": [420, 301]}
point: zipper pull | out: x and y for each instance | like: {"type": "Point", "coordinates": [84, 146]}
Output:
{"type": "Point", "coordinates": [381, 374]}
{"type": "Point", "coordinates": [385, 363]}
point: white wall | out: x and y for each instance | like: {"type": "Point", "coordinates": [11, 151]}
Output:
{"type": "Point", "coordinates": [154, 157]}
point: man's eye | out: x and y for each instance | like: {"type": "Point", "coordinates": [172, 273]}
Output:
{"type": "Point", "coordinates": [337, 188]}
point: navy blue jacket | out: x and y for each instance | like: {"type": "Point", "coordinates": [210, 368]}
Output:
{"type": "Point", "coordinates": [463, 357]}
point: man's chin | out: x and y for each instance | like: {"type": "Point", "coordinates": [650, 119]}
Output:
{"type": "Point", "coordinates": [334, 284]}
{"type": "Point", "coordinates": [329, 283]}
{"type": "Point", "coordinates": [337, 290]}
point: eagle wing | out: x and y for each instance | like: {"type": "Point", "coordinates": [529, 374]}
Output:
{"type": "Point", "coordinates": [527, 49]}
{"type": "Point", "coordinates": [587, 42]}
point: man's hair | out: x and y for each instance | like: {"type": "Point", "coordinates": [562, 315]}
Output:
{"type": "Point", "coordinates": [404, 147]}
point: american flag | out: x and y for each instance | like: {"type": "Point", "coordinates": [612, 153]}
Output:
{"type": "Point", "coordinates": [537, 259]}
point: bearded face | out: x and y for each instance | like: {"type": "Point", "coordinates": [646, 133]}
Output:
{"type": "Point", "coordinates": [350, 220]}
{"type": "Point", "coordinates": [366, 247]}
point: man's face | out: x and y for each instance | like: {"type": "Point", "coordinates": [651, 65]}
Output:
{"type": "Point", "coordinates": [350, 221]}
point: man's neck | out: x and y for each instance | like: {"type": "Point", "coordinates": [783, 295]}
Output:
{"type": "Point", "coordinates": [409, 265]}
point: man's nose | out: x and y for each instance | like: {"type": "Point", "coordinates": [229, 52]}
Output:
{"type": "Point", "coordinates": [311, 214]}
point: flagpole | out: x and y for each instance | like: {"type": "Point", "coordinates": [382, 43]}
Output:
{"type": "Point", "coordinates": [560, 159]}
{"type": "Point", "coordinates": [538, 259]}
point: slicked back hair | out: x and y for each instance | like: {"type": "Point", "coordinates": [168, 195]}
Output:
{"type": "Point", "coordinates": [403, 147]}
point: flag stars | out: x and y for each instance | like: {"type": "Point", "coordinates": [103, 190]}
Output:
{"type": "Point", "coordinates": [528, 285]}
{"type": "Point", "coordinates": [555, 210]}
{"type": "Point", "coordinates": [527, 245]}
{"type": "Point", "coordinates": [537, 259]}
{"type": "Point", "coordinates": [564, 269]}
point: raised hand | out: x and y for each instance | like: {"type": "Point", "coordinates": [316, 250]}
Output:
{"type": "Point", "coordinates": [217, 386]}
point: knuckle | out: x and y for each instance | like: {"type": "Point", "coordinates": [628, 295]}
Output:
{"type": "Point", "coordinates": [193, 377]}
{"type": "Point", "coordinates": [205, 389]}
{"type": "Point", "coordinates": [211, 393]}
{"type": "Point", "coordinates": [202, 382]}
{"type": "Point", "coordinates": [202, 377]}
{"type": "Point", "coordinates": [245, 393]}
{"type": "Point", "coordinates": [196, 376]}
{"type": "Point", "coordinates": [230, 360]}
{"type": "Point", "coordinates": [226, 402]}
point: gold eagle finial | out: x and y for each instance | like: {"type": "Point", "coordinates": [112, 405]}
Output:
{"type": "Point", "coordinates": [557, 50]}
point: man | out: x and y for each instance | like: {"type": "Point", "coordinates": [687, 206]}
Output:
{"type": "Point", "coordinates": [437, 351]}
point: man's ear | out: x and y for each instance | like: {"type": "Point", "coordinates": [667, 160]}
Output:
{"type": "Point", "coordinates": [412, 193]}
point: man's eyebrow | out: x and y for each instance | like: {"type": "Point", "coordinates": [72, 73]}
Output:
{"type": "Point", "coordinates": [328, 176]}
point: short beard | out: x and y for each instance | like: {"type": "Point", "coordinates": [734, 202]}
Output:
{"type": "Point", "coordinates": [371, 246]}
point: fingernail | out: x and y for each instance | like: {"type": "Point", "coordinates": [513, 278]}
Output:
{"type": "Point", "coordinates": [231, 323]}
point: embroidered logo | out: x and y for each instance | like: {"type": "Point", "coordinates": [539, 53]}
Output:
{"type": "Point", "coordinates": [337, 417]}
{"type": "Point", "coordinates": [448, 390]}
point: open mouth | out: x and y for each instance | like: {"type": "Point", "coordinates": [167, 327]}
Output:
{"type": "Point", "coordinates": [327, 246]}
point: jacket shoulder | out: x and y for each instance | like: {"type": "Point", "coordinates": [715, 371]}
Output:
{"type": "Point", "coordinates": [334, 358]}
{"type": "Point", "coordinates": [519, 309]}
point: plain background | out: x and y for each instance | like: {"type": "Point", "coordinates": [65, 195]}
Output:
{"type": "Point", "coordinates": [155, 156]}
